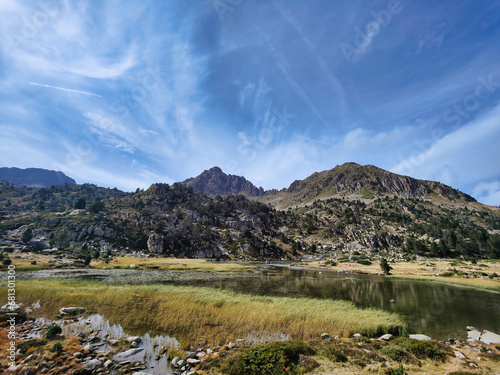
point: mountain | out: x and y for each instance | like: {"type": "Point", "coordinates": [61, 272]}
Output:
{"type": "Point", "coordinates": [215, 182]}
{"type": "Point", "coordinates": [35, 177]}
{"type": "Point", "coordinates": [364, 212]}
{"type": "Point", "coordinates": [362, 181]}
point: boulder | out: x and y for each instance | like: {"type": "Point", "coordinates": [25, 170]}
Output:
{"type": "Point", "coordinates": [325, 336]}
{"type": "Point", "coordinates": [123, 356]}
{"type": "Point", "coordinates": [71, 310]}
{"type": "Point", "coordinates": [386, 337]}
{"type": "Point", "coordinates": [92, 365]}
{"type": "Point", "coordinates": [136, 339]}
{"type": "Point", "coordinates": [473, 335]}
{"type": "Point", "coordinates": [39, 245]}
{"type": "Point", "coordinates": [490, 338]}
{"type": "Point", "coordinates": [155, 243]}
{"type": "Point", "coordinates": [471, 328]}
{"type": "Point", "coordinates": [458, 354]}
{"type": "Point", "coordinates": [420, 337]}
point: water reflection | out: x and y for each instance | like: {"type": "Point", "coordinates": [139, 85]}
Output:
{"type": "Point", "coordinates": [439, 310]}
{"type": "Point", "coordinates": [105, 331]}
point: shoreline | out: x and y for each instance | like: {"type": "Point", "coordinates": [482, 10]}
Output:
{"type": "Point", "coordinates": [400, 270]}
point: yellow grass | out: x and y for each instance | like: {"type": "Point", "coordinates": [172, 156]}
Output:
{"type": "Point", "coordinates": [178, 264]}
{"type": "Point", "coordinates": [174, 264]}
{"type": "Point", "coordinates": [425, 270]}
{"type": "Point", "coordinates": [189, 313]}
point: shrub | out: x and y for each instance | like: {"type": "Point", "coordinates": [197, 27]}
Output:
{"type": "Point", "coordinates": [33, 262]}
{"type": "Point", "coordinates": [57, 347]}
{"type": "Point", "coordinates": [423, 349]}
{"type": "Point", "coordinates": [336, 355]}
{"type": "Point", "coordinates": [385, 267]}
{"type": "Point", "coordinates": [274, 358]}
{"type": "Point", "coordinates": [397, 371]}
{"type": "Point", "coordinates": [25, 345]}
{"type": "Point", "coordinates": [53, 331]}
{"type": "Point", "coordinates": [7, 261]}
{"type": "Point", "coordinates": [396, 353]}
{"type": "Point", "coordinates": [364, 262]}
{"type": "Point", "coordinates": [330, 263]}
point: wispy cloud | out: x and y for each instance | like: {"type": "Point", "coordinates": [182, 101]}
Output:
{"type": "Point", "coordinates": [67, 90]}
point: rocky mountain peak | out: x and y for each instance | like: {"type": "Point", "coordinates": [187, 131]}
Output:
{"type": "Point", "coordinates": [368, 181]}
{"type": "Point", "coordinates": [215, 182]}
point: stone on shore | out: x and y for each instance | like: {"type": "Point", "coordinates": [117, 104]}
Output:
{"type": "Point", "coordinates": [92, 365]}
{"type": "Point", "coordinates": [71, 310]}
{"type": "Point", "coordinates": [123, 356]}
{"type": "Point", "coordinates": [490, 338]}
{"type": "Point", "coordinates": [474, 335]}
{"type": "Point", "coordinates": [386, 337]}
{"type": "Point", "coordinates": [420, 337]}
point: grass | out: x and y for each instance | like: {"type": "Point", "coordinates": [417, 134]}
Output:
{"type": "Point", "coordinates": [172, 264]}
{"type": "Point", "coordinates": [473, 283]}
{"type": "Point", "coordinates": [189, 313]}
{"type": "Point", "coordinates": [416, 271]}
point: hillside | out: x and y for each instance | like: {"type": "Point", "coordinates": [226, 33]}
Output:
{"type": "Point", "coordinates": [215, 182]}
{"type": "Point", "coordinates": [351, 212]}
{"type": "Point", "coordinates": [34, 177]}
{"type": "Point", "coordinates": [360, 181]}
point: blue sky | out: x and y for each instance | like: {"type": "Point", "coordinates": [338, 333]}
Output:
{"type": "Point", "coordinates": [127, 93]}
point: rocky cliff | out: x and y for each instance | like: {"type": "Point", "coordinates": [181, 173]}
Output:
{"type": "Point", "coordinates": [366, 181]}
{"type": "Point", "coordinates": [215, 182]}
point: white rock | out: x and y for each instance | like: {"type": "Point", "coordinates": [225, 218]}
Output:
{"type": "Point", "coordinates": [420, 337]}
{"type": "Point", "coordinates": [490, 338]}
{"type": "Point", "coordinates": [473, 335]}
{"type": "Point", "coordinates": [386, 337]}
{"type": "Point", "coordinates": [93, 364]}
{"type": "Point", "coordinates": [458, 354]}
{"type": "Point", "coordinates": [123, 356]}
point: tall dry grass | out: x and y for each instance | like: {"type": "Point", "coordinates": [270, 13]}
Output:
{"type": "Point", "coordinates": [190, 313]}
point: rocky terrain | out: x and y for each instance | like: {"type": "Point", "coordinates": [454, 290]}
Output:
{"type": "Point", "coordinates": [80, 342]}
{"type": "Point", "coordinates": [351, 212]}
{"type": "Point", "coordinates": [214, 182]}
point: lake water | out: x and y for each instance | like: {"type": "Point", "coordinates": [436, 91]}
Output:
{"type": "Point", "coordinates": [439, 310]}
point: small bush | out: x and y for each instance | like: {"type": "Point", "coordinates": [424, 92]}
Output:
{"type": "Point", "coordinates": [364, 262]}
{"type": "Point", "coordinates": [396, 353]}
{"type": "Point", "coordinates": [336, 355]}
{"type": "Point", "coordinates": [57, 347]}
{"type": "Point", "coordinates": [25, 345]}
{"type": "Point", "coordinates": [307, 363]}
{"type": "Point", "coordinates": [53, 331]}
{"type": "Point", "coordinates": [273, 359]}
{"type": "Point", "coordinates": [7, 262]}
{"type": "Point", "coordinates": [33, 262]}
{"type": "Point", "coordinates": [330, 263]}
{"type": "Point", "coordinates": [397, 371]}
{"type": "Point", "coordinates": [423, 349]}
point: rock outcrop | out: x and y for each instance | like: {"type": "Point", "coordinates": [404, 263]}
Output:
{"type": "Point", "coordinates": [215, 182]}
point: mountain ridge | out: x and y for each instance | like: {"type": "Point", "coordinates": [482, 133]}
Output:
{"type": "Point", "coordinates": [34, 177]}
{"type": "Point", "coordinates": [367, 181]}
